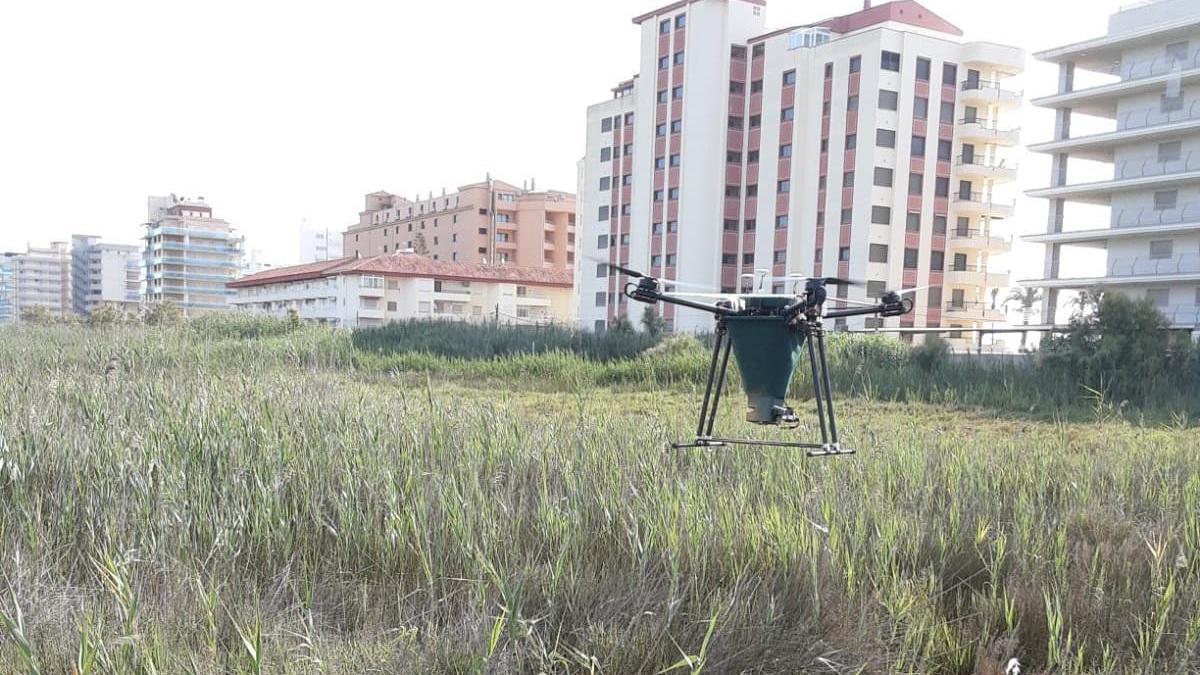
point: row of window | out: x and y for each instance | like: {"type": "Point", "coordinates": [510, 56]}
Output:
{"type": "Point", "coordinates": [756, 86]}
{"type": "Point", "coordinates": [665, 61]}
{"type": "Point", "coordinates": [891, 61]}
{"type": "Point", "coordinates": [736, 121]}
{"type": "Point", "coordinates": [750, 224]}
{"type": "Point", "coordinates": [886, 138]}
{"type": "Point", "coordinates": [784, 186]}
{"type": "Point", "coordinates": [664, 26]}
{"type": "Point", "coordinates": [608, 154]}
{"type": "Point", "coordinates": [606, 124]}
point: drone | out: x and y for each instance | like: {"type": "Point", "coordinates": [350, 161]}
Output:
{"type": "Point", "coordinates": [767, 334]}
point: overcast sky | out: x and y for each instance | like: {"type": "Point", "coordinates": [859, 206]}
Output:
{"type": "Point", "coordinates": [278, 112]}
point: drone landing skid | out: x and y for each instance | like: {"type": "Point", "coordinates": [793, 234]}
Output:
{"type": "Point", "coordinates": [814, 449]}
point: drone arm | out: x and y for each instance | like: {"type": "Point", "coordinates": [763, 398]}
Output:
{"type": "Point", "coordinates": [646, 291]}
{"type": "Point", "coordinates": [889, 307]}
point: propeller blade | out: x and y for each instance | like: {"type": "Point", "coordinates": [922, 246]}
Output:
{"type": "Point", "coordinates": [623, 270]}
{"type": "Point", "coordinates": [848, 301]}
{"type": "Point", "coordinates": [685, 284]}
{"type": "Point", "coordinates": [835, 281]}
{"type": "Point", "coordinates": [908, 291]}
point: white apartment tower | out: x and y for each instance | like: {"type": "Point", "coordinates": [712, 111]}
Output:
{"type": "Point", "coordinates": [1150, 63]}
{"type": "Point", "coordinates": [189, 255]}
{"type": "Point", "coordinates": [104, 274]}
{"type": "Point", "coordinates": [41, 277]}
{"type": "Point", "coordinates": [318, 244]}
{"type": "Point", "coordinates": [867, 146]}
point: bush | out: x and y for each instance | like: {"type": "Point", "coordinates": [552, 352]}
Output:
{"type": "Point", "coordinates": [105, 315]}
{"type": "Point", "coordinates": [37, 314]}
{"type": "Point", "coordinates": [454, 339]}
{"type": "Point", "coordinates": [931, 354]}
{"type": "Point", "coordinates": [162, 314]}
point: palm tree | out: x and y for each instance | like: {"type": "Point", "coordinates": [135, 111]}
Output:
{"type": "Point", "coordinates": [1027, 298]}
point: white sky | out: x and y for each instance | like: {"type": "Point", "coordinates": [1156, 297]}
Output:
{"type": "Point", "coordinates": [283, 111]}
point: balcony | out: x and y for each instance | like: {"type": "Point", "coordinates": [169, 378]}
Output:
{"type": "Point", "coordinates": [1144, 266]}
{"type": "Point", "coordinates": [977, 168]}
{"type": "Point", "coordinates": [1134, 126]}
{"type": "Point", "coordinates": [1146, 173]}
{"type": "Point", "coordinates": [975, 275]}
{"type": "Point", "coordinates": [983, 131]}
{"type": "Point", "coordinates": [1102, 100]}
{"type": "Point", "coordinates": [973, 311]}
{"type": "Point", "coordinates": [986, 92]}
{"type": "Point", "coordinates": [978, 203]}
{"type": "Point", "coordinates": [371, 313]}
{"type": "Point", "coordinates": [978, 240]}
{"type": "Point", "coordinates": [532, 301]}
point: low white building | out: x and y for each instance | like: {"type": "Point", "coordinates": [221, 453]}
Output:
{"type": "Point", "coordinates": [354, 292]}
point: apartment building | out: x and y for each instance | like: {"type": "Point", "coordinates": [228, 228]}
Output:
{"type": "Point", "coordinates": [104, 274]}
{"type": "Point", "coordinates": [41, 277]}
{"type": "Point", "coordinates": [870, 146]}
{"type": "Point", "coordinates": [318, 244]}
{"type": "Point", "coordinates": [1148, 92]}
{"type": "Point", "coordinates": [369, 291]}
{"type": "Point", "coordinates": [7, 291]}
{"type": "Point", "coordinates": [188, 255]}
{"type": "Point", "coordinates": [490, 222]}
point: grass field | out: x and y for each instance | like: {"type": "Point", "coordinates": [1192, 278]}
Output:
{"type": "Point", "coordinates": [213, 500]}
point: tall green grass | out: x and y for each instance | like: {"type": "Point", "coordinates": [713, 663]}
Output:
{"type": "Point", "coordinates": [174, 501]}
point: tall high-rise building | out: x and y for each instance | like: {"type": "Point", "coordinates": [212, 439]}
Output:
{"type": "Point", "coordinates": [489, 222]}
{"type": "Point", "coordinates": [319, 243]}
{"type": "Point", "coordinates": [189, 255]}
{"type": "Point", "coordinates": [1150, 67]}
{"type": "Point", "coordinates": [104, 274]}
{"type": "Point", "coordinates": [869, 146]}
{"type": "Point", "coordinates": [7, 291]}
{"type": "Point", "coordinates": [41, 277]}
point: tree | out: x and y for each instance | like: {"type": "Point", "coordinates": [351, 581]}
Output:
{"type": "Point", "coordinates": [1027, 298]}
{"type": "Point", "coordinates": [293, 319]}
{"type": "Point", "coordinates": [652, 322]}
{"type": "Point", "coordinates": [621, 324]}
{"type": "Point", "coordinates": [37, 314]}
{"type": "Point", "coordinates": [162, 314]}
{"type": "Point", "coordinates": [105, 315]}
{"type": "Point", "coordinates": [419, 245]}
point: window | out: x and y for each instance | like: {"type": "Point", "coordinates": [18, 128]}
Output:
{"type": "Point", "coordinates": [781, 222]}
{"type": "Point", "coordinates": [818, 255]}
{"type": "Point", "coordinates": [601, 298]}
{"type": "Point", "coordinates": [738, 52]}
{"type": "Point", "coordinates": [828, 70]}
{"type": "Point", "coordinates": [826, 106]}
{"type": "Point", "coordinates": [1161, 248]}
{"type": "Point", "coordinates": [844, 254]}
{"type": "Point", "coordinates": [923, 68]}
{"type": "Point", "coordinates": [785, 150]}
{"type": "Point", "coordinates": [1165, 200]}
{"type": "Point", "coordinates": [660, 163]}
{"type": "Point", "coordinates": [603, 213]}
{"type": "Point", "coordinates": [628, 150]}
{"type": "Point", "coordinates": [747, 258]}
{"type": "Point", "coordinates": [939, 224]}
{"type": "Point", "coordinates": [885, 138]}
{"type": "Point", "coordinates": [852, 103]}
{"type": "Point", "coordinates": [676, 126]}
{"type": "Point", "coordinates": [664, 26]}
{"type": "Point", "coordinates": [733, 157]}
{"type": "Point", "coordinates": [888, 99]}
{"type": "Point", "coordinates": [820, 182]}
{"type": "Point", "coordinates": [731, 224]}
{"type": "Point", "coordinates": [877, 253]}
{"type": "Point", "coordinates": [1172, 103]}
{"type": "Point", "coordinates": [733, 191]}
{"type": "Point", "coordinates": [663, 63]}
{"type": "Point", "coordinates": [601, 270]}
{"type": "Point", "coordinates": [789, 78]}
{"type": "Point", "coordinates": [677, 92]}
{"type": "Point", "coordinates": [910, 258]}
{"type": "Point", "coordinates": [962, 226]}
{"type": "Point", "coordinates": [1170, 152]}
{"type": "Point", "coordinates": [658, 195]}
{"type": "Point", "coordinates": [662, 96]}
{"type": "Point", "coordinates": [881, 215]}
{"type": "Point", "coordinates": [606, 125]}
{"type": "Point", "coordinates": [758, 50]}
{"type": "Point", "coordinates": [602, 241]}
{"type": "Point", "coordinates": [970, 114]}
{"type": "Point", "coordinates": [605, 183]}
{"type": "Point", "coordinates": [680, 21]}
{"type": "Point", "coordinates": [912, 222]}
{"type": "Point", "coordinates": [625, 239]}
{"type": "Point", "coordinates": [755, 121]}
{"type": "Point", "coordinates": [941, 187]}
{"type": "Point", "coordinates": [625, 209]}
{"type": "Point", "coordinates": [851, 141]}
{"type": "Point", "coordinates": [752, 190]}
{"type": "Point", "coordinates": [679, 58]}
{"type": "Point", "coordinates": [627, 180]}
{"type": "Point", "coordinates": [935, 296]}
{"type": "Point", "coordinates": [606, 154]}
{"type": "Point", "coordinates": [736, 87]}
{"type": "Point", "coordinates": [937, 261]}
{"type": "Point", "coordinates": [735, 122]}
{"type": "Point", "coordinates": [960, 262]}
{"type": "Point", "coordinates": [660, 129]}
{"type": "Point", "coordinates": [756, 86]}
{"type": "Point", "coordinates": [752, 157]}
{"type": "Point", "coordinates": [675, 161]}
{"type": "Point", "coordinates": [788, 114]}
{"type": "Point", "coordinates": [848, 179]}
{"type": "Point", "coordinates": [889, 61]}
{"type": "Point", "coordinates": [785, 186]}
{"type": "Point", "coordinates": [655, 260]}
{"type": "Point", "coordinates": [876, 289]}
{"type": "Point", "coordinates": [883, 176]}
{"type": "Point", "coordinates": [628, 119]}
{"type": "Point", "coordinates": [855, 64]}
{"type": "Point", "coordinates": [1161, 297]}
{"type": "Point", "coordinates": [916, 181]}
{"type": "Point", "coordinates": [949, 74]}
{"type": "Point", "coordinates": [824, 145]}
{"type": "Point", "coordinates": [780, 257]}
{"type": "Point", "coordinates": [673, 194]}
{"type": "Point", "coordinates": [920, 108]}
{"type": "Point", "coordinates": [947, 113]}
{"type": "Point", "coordinates": [945, 150]}
{"type": "Point", "coordinates": [918, 146]}
{"type": "Point", "coordinates": [847, 214]}
{"type": "Point", "coordinates": [728, 258]}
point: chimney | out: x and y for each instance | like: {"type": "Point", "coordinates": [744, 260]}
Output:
{"type": "Point", "coordinates": [533, 185]}
{"type": "Point", "coordinates": [866, 5]}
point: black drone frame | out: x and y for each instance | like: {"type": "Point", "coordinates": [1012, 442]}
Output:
{"type": "Point", "coordinates": [805, 313]}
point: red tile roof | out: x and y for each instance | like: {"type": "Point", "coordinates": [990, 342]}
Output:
{"type": "Point", "coordinates": [410, 265]}
{"type": "Point", "coordinates": [900, 11]}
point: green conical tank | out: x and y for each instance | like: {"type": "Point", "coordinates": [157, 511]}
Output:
{"type": "Point", "coordinates": [767, 351]}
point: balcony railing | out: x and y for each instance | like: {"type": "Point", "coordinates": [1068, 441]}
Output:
{"type": "Point", "coordinates": [982, 200]}
{"type": "Point", "coordinates": [1159, 65]}
{"type": "Point", "coordinates": [1154, 116]}
{"type": "Point", "coordinates": [988, 86]}
{"type": "Point", "coordinates": [1181, 315]}
{"type": "Point", "coordinates": [1158, 166]}
{"type": "Point", "coordinates": [969, 306]}
{"type": "Point", "coordinates": [1188, 212]}
{"type": "Point", "coordinates": [1136, 266]}
{"type": "Point", "coordinates": [974, 267]}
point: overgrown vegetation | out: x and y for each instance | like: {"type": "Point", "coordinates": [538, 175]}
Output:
{"type": "Point", "coordinates": [454, 339]}
{"type": "Point", "coordinates": [238, 496]}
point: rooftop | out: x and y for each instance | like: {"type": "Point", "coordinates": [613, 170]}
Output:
{"type": "Point", "coordinates": [409, 265]}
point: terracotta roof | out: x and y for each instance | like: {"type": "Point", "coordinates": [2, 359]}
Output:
{"type": "Point", "coordinates": [900, 11]}
{"type": "Point", "coordinates": [410, 265]}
